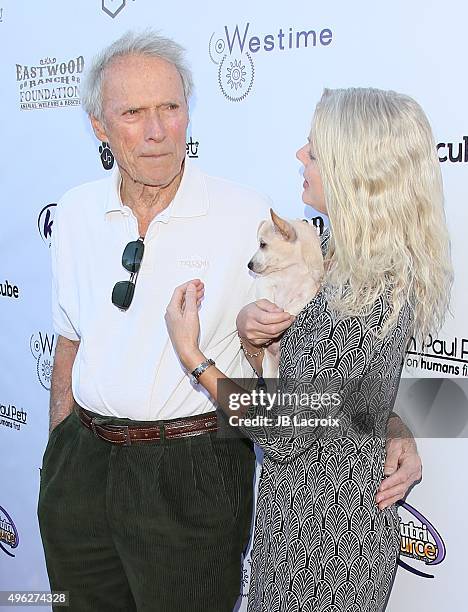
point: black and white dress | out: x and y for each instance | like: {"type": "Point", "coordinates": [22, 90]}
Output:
{"type": "Point", "coordinates": [321, 543]}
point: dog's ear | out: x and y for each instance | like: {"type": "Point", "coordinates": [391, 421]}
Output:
{"type": "Point", "coordinates": [286, 230]}
{"type": "Point", "coordinates": [260, 225]}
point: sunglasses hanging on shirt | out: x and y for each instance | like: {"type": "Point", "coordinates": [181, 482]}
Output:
{"type": "Point", "coordinates": [122, 294]}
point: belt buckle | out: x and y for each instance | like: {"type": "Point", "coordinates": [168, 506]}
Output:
{"type": "Point", "coordinates": [127, 441]}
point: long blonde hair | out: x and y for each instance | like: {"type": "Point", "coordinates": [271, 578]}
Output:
{"type": "Point", "coordinates": [383, 190]}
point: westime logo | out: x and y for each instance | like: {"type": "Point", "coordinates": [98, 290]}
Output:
{"type": "Point", "coordinates": [50, 83]}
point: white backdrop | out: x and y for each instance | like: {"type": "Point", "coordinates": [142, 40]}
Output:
{"type": "Point", "coordinates": [259, 69]}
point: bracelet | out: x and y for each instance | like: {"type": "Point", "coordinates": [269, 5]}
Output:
{"type": "Point", "coordinates": [198, 371]}
{"type": "Point", "coordinates": [246, 352]}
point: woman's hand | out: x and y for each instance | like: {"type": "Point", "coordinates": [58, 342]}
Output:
{"type": "Point", "coordinates": [261, 322]}
{"type": "Point", "coordinates": [183, 323]}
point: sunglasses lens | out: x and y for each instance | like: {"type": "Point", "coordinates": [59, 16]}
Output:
{"type": "Point", "coordinates": [132, 256]}
{"type": "Point", "coordinates": [122, 294]}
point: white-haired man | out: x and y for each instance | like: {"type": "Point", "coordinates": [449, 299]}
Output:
{"type": "Point", "coordinates": [142, 505]}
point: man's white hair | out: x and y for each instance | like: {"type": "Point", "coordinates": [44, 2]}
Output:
{"type": "Point", "coordinates": [148, 43]}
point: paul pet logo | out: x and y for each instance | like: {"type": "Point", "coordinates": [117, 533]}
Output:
{"type": "Point", "coordinates": [50, 84]}
{"type": "Point", "coordinates": [453, 152]}
{"type": "Point", "coordinates": [42, 349]}
{"type": "Point", "coordinates": [8, 532]}
{"type": "Point", "coordinates": [448, 356]}
{"type": "Point", "coordinates": [232, 52]}
{"type": "Point", "coordinates": [113, 7]}
{"type": "Point", "coordinates": [420, 541]}
{"type": "Point", "coordinates": [108, 159]}
{"type": "Point", "coordinates": [45, 221]}
{"type": "Point", "coordinates": [12, 417]}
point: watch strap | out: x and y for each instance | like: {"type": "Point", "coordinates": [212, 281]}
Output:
{"type": "Point", "coordinates": [198, 371]}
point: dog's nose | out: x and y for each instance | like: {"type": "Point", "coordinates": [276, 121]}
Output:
{"type": "Point", "coordinates": [250, 265]}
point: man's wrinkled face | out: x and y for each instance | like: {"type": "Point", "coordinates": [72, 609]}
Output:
{"type": "Point", "coordinates": [145, 118]}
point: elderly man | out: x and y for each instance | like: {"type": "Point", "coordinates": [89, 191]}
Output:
{"type": "Point", "coordinates": [142, 506]}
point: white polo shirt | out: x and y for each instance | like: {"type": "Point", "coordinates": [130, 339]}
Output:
{"type": "Point", "coordinates": [125, 365]}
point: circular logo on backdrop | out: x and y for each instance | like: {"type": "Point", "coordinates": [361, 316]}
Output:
{"type": "Point", "coordinates": [236, 71]}
{"type": "Point", "coordinates": [8, 532]}
{"type": "Point", "coordinates": [42, 349]}
{"type": "Point", "coordinates": [419, 540]}
{"type": "Point", "coordinates": [45, 221]}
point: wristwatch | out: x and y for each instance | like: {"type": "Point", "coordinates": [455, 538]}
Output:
{"type": "Point", "coordinates": [198, 371]}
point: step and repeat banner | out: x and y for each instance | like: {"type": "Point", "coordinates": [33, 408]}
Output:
{"type": "Point", "coordinates": [259, 69]}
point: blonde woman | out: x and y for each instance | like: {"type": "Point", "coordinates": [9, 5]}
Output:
{"type": "Point", "coordinates": [321, 542]}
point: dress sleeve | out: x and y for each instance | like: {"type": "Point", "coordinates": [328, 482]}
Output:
{"type": "Point", "coordinates": [340, 378]}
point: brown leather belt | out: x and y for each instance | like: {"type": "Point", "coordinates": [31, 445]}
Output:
{"type": "Point", "coordinates": [125, 435]}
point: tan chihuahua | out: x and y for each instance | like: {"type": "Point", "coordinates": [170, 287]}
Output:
{"type": "Point", "coordinates": [289, 265]}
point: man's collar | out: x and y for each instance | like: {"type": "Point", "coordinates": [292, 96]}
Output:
{"type": "Point", "coordinates": [191, 199]}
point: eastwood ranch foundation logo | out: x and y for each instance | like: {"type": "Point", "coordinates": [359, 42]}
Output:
{"type": "Point", "coordinates": [49, 84]}
{"type": "Point", "coordinates": [233, 50]}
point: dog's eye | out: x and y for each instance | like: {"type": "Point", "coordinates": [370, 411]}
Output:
{"type": "Point", "coordinates": [262, 244]}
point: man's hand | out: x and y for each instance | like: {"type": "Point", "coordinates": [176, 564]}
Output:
{"type": "Point", "coordinates": [403, 465]}
{"type": "Point", "coordinates": [61, 397]}
{"type": "Point", "coordinates": [262, 321]}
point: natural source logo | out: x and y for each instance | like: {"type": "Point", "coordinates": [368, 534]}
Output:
{"type": "Point", "coordinates": [420, 540]}
{"type": "Point", "coordinates": [50, 84]}
{"type": "Point", "coordinates": [232, 52]}
{"type": "Point", "coordinates": [8, 533]}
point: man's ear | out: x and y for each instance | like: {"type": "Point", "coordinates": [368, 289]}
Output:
{"type": "Point", "coordinates": [286, 230]}
{"type": "Point", "coordinates": [98, 128]}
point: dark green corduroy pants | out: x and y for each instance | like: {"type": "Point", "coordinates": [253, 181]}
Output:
{"type": "Point", "coordinates": [157, 526]}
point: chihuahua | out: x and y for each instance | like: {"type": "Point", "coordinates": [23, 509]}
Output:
{"type": "Point", "coordinates": [289, 265]}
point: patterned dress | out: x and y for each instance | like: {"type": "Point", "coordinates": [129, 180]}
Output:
{"type": "Point", "coordinates": [321, 544]}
